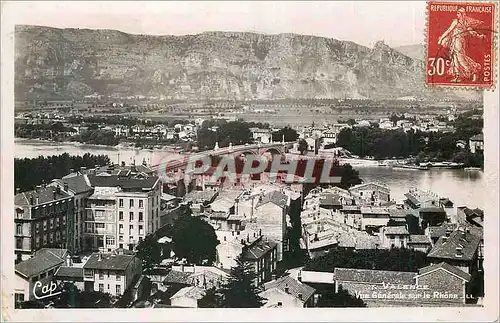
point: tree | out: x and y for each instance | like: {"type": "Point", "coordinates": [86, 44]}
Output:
{"type": "Point", "coordinates": [149, 251]}
{"type": "Point", "coordinates": [240, 291]}
{"type": "Point", "coordinates": [194, 239]}
{"type": "Point", "coordinates": [303, 146]}
{"type": "Point", "coordinates": [342, 298]}
{"type": "Point", "coordinates": [212, 299]}
{"type": "Point", "coordinates": [288, 133]}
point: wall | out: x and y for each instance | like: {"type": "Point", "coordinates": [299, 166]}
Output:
{"type": "Point", "coordinates": [272, 220]}
{"type": "Point", "coordinates": [275, 295]}
{"type": "Point", "coordinates": [441, 281]}
{"type": "Point", "coordinates": [184, 302]}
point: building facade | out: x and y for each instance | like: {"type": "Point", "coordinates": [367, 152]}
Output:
{"type": "Point", "coordinates": [42, 218]}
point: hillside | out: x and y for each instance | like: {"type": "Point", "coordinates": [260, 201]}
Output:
{"type": "Point", "coordinates": [416, 52]}
{"type": "Point", "coordinates": [51, 62]}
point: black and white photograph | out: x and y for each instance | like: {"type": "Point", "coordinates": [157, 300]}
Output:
{"type": "Point", "coordinates": [176, 157]}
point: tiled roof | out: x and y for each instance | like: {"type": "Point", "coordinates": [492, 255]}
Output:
{"type": "Point", "coordinates": [43, 260]}
{"type": "Point", "coordinates": [177, 277]}
{"type": "Point", "coordinates": [452, 269]}
{"type": "Point", "coordinates": [439, 231]}
{"type": "Point", "coordinates": [399, 230]}
{"type": "Point", "coordinates": [419, 238]}
{"type": "Point", "coordinates": [44, 194]}
{"type": "Point", "coordinates": [123, 182]}
{"type": "Point", "coordinates": [61, 253]}
{"type": "Point", "coordinates": [397, 213]}
{"type": "Point", "coordinates": [432, 210]}
{"type": "Point", "coordinates": [274, 197]}
{"type": "Point", "coordinates": [72, 272]}
{"type": "Point", "coordinates": [346, 240]}
{"type": "Point", "coordinates": [259, 249]}
{"type": "Point", "coordinates": [109, 261]}
{"type": "Point", "coordinates": [374, 210]}
{"type": "Point", "coordinates": [190, 292]}
{"type": "Point", "coordinates": [200, 196]}
{"type": "Point", "coordinates": [365, 241]}
{"type": "Point", "coordinates": [77, 184]}
{"type": "Point", "coordinates": [373, 276]}
{"type": "Point", "coordinates": [446, 247]}
{"type": "Point", "coordinates": [293, 286]}
{"type": "Point", "coordinates": [378, 185]}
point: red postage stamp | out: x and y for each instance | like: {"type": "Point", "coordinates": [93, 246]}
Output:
{"type": "Point", "coordinates": [461, 44]}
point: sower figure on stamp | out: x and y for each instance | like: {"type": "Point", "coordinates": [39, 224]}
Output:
{"type": "Point", "coordinates": [455, 39]}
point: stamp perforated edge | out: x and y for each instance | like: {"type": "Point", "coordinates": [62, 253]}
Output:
{"type": "Point", "coordinates": [494, 49]}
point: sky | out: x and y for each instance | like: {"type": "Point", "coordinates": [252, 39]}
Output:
{"type": "Point", "coordinates": [395, 22]}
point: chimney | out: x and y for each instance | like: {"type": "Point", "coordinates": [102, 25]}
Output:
{"type": "Point", "coordinates": [69, 262]}
{"type": "Point", "coordinates": [225, 238]}
{"type": "Point", "coordinates": [66, 187]}
{"type": "Point", "coordinates": [300, 296]}
{"type": "Point", "coordinates": [58, 189]}
{"type": "Point", "coordinates": [299, 276]}
{"type": "Point", "coordinates": [273, 276]}
{"type": "Point", "coordinates": [99, 256]}
{"type": "Point", "coordinates": [459, 252]}
{"type": "Point", "coordinates": [260, 232]}
{"type": "Point", "coordinates": [254, 234]}
{"type": "Point", "coordinates": [37, 200]}
{"type": "Point", "coordinates": [248, 237]}
{"type": "Point", "coordinates": [72, 170]}
{"type": "Point", "coordinates": [287, 290]}
{"type": "Point", "coordinates": [83, 169]}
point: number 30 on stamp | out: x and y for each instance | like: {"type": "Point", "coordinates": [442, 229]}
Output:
{"type": "Point", "coordinates": [461, 49]}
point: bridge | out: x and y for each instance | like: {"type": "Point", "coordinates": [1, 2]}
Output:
{"type": "Point", "coordinates": [174, 163]}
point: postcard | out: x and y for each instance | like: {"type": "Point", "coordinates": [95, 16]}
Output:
{"type": "Point", "coordinates": [249, 161]}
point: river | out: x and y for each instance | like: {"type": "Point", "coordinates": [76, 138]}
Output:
{"type": "Point", "coordinates": [460, 186]}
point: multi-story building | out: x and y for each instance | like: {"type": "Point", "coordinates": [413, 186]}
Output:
{"type": "Point", "coordinates": [111, 273]}
{"type": "Point", "coordinates": [78, 186]}
{"type": "Point", "coordinates": [123, 209]}
{"type": "Point", "coordinates": [42, 218]}
{"type": "Point", "coordinates": [39, 268]}
{"type": "Point", "coordinates": [371, 194]}
{"type": "Point", "coordinates": [262, 255]}
{"type": "Point", "coordinates": [271, 211]}
{"type": "Point", "coordinates": [476, 143]}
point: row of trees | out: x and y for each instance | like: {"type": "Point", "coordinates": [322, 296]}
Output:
{"type": "Point", "coordinates": [30, 172]}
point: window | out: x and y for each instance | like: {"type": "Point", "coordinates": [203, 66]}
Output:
{"type": "Point", "coordinates": [110, 241]}
{"type": "Point", "coordinates": [120, 216]}
{"type": "Point", "coordinates": [131, 228]}
{"type": "Point", "coordinates": [120, 228]}
{"type": "Point", "coordinates": [120, 238]}
{"type": "Point", "coordinates": [45, 238]}
{"type": "Point", "coordinates": [141, 229]}
{"type": "Point", "coordinates": [118, 277]}
{"type": "Point", "coordinates": [118, 289]}
{"type": "Point", "coordinates": [141, 204]}
{"type": "Point", "coordinates": [44, 224]}
{"type": "Point", "coordinates": [37, 226]}
{"type": "Point", "coordinates": [51, 272]}
{"type": "Point", "coordinates": [76, 203]}
{"type": "Point", "coordinates": [131, 202]}
{"type": "Point", "coordinates": [108, 287]}
{"type": "Point", "coordinates": [42, 275]}
{"type": "Point", "coordinates": [120, 203]}
{"type": "Point", "coordinates": [101, 288]}
{"type": "Point", "coordinates": [101, 275]}
{"type": "Point", "coordinates": [37, 241]}
{"type": "Point", "coordinates": [19, 243]}
{"type": "Point", "coordinates": [19, 229]}
{"type": "Point", "coordinates": [131, 216]}
{"type": "Point", "coordinates": [141, 217]}
{"type": "Point", "coordinates": [156, 212]}
{"type": "Point", "coordinates": [51, 237]}
{"type": "Point", "coordinates": [108, 276]}
{"type": "Point", "coordinates": [19, 297]}
{"type": "Point", "coordinates": [51, 223]}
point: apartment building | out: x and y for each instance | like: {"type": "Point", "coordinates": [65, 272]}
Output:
{"type": "Point", "coordinates": [78, 186]}
{"type": "Point", "coordinates": [123, 209]}
{"type": "Point", "coordinates": [42, 218]}
{"type": "Point", "coordinates": [111, 273]}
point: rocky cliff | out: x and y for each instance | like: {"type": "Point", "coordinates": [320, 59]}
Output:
{"type": "Point", "coordinates": [52, 62]}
